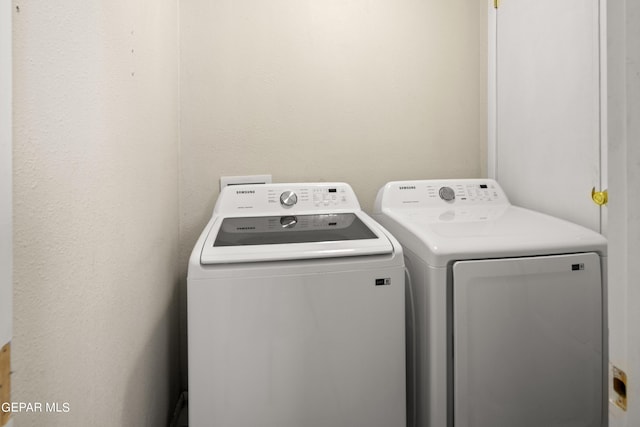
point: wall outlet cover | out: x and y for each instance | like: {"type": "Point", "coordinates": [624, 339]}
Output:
{"type": "Point", "coordinates": [246, 179]}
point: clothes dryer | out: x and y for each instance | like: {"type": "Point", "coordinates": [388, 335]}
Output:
{"type": "Point", "coordinates": [509, 321]}
{"type": "Point", "coordinates": [295, 312]}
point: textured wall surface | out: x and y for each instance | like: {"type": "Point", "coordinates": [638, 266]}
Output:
{"type": "Point", "coordinates": [96, 210]}
{"type": "Point", "coordinates": [363, 91]}
{"type": "Point", "coordinates": [5, 175]}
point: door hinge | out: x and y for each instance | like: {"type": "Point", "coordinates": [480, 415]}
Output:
{"type": "Point", "coordinates": [496, 4]}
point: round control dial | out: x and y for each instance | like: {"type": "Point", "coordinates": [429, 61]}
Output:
{"type": "Point", "coordinates": [447, 194]}
{"type": "Point", "coordinates": [288, 221]}
{"type": "Point", "coordinates": [288, 199]}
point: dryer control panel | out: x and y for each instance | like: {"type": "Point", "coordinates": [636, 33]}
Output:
{"type": "Point", "coordinates": [279, 199]}
{"type": "Point", "coordinates": [440, 193]}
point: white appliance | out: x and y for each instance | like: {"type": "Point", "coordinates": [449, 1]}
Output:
{"type": "Point", "coordinates": [509, 325]}
{"type": "Point", "coordinates": [295, 312]}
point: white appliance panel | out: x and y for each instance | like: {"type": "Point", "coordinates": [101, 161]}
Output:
{"type": "Point", "coordinates": [477, 223]}
{"type": "Point", "coordinates": [528, 342]}
{"type": "Point", "coordinates": [285, 198]}
{"type": "Point", "coordinates": [427, 343]}
{"type": "Point", "coordinates": [312, 350]}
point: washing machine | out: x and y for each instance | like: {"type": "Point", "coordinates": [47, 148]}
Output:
{"type": "Point", "coordinates": [508, 319]}
{"type": "Point", "coordinates": [295, 312]}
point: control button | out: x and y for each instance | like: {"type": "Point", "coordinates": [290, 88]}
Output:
{"type": "Point", "coordinates": [288, 199]}
{"type": "Point", "coordinates": [447, 194]}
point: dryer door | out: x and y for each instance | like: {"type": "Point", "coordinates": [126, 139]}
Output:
{"type": "Point", "coordinates": [528, 342]}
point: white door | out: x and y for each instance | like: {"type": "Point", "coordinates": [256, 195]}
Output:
{"type": "Point", "coordinates": [623, 55]}
{"type": "Point", "coordinates": [528, 342]}
{"type": "Point", "coordinates": [547, 106]}
{"type": "Point", "coordinates": [5, 205]}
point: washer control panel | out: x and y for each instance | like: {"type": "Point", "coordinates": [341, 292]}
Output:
{"type": "Point", "coordinates": [314, 197]}
{"type": "Point", "coordinates": [441, 193]}
{"type": "Point", "coordinates": [280, 198]}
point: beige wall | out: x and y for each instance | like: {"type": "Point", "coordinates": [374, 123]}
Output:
{"type": "Point", "coordinates": [363, 91]}
{"type": "Point", "coordinates": [5, 178]}
{"type": "Point", "coordinates": [96, 210]}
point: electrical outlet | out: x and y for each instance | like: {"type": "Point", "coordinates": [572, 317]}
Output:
{"type": "Point", "coordinates": [246, 179]}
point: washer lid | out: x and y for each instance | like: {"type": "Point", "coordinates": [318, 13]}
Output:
{"type": "Point", "coordinates": [273, 238]}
